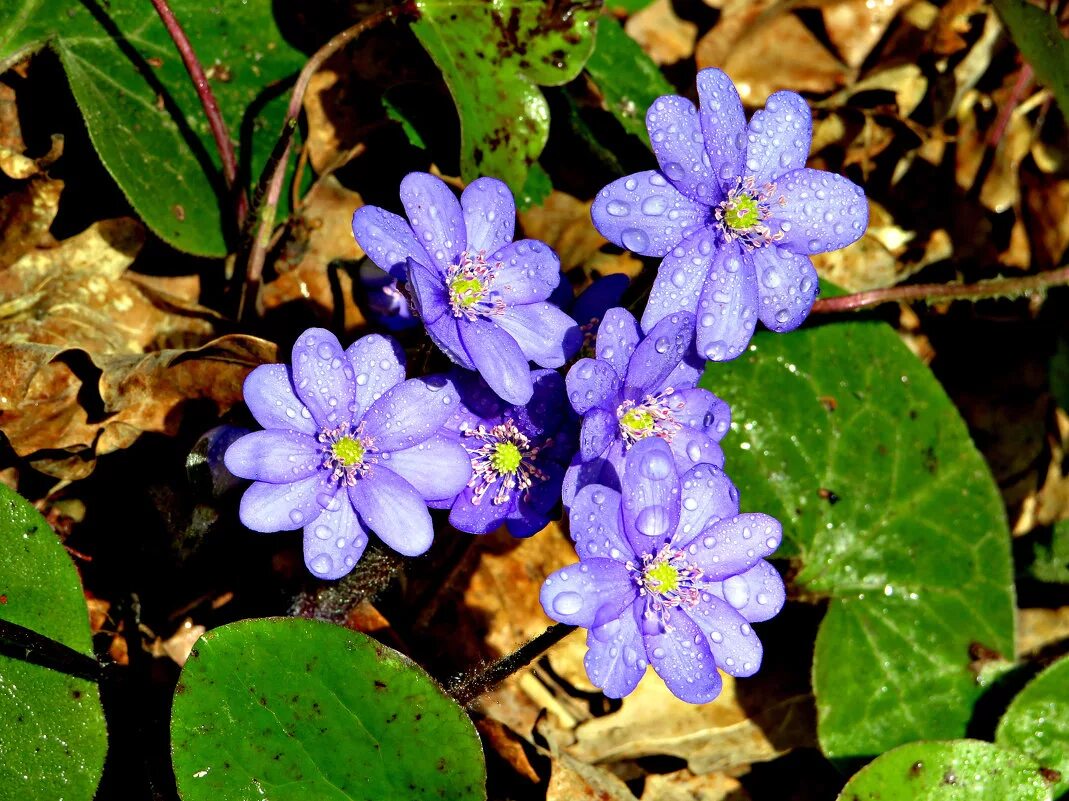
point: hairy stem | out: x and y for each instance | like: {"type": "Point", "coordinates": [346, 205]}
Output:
{"type": "Point", "coordinates": [994, 288]}
{"type": "Point", "coordinates": [469, 686]}
{"type": "Point", "coordinates": [220, 134]}
{"type": "Point", "coordinates": [263, 217]}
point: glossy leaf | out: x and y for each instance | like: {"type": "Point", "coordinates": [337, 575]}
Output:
{"type": "Point", "coordinates": [1042, 44]}
{"type": "Point", "coordinates": [294, 709]}
{"type": "Point", "coordinates": [52, 732]}
{"type": "Point", "coordinates": [1037, 723]}
{"type": "Point", "coordinates": [890, 513]}
{"type": "Point", "coordinates": [493, 56]}
{"type": "Point", "coordinates": [141, 110]}
{"type": "Point", "coordinates": [957, 770]}
{"type": "Point", "coordinates": [1050, 560]}
{"type": "Point", "coordinates": [627, 78]}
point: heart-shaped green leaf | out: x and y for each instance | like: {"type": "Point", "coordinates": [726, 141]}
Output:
{"type": "Point", "coordinates": [493, 56]}
{"type": "Point", "coordinates": [140, 107]}
{"type": "Point", "coordinates": [293, 709]}
{"type": "Point", "coordinates": [891, 514]}
{"type": "Point", "coordinates": [52, 732]}
{"type": "Point", "coordinates": [1037, 723]}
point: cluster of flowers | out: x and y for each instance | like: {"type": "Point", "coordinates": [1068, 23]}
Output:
{"type": "Point", "coordinates": [670, 574]}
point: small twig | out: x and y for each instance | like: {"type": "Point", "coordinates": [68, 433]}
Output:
{"type": "Point", "coordinates": [469, 686]}
{"type": "Point", "coordinates": [1024, 78]}
{"type": "Point", "coordinates": [994, 288]}
{"type": "Point", "coordinates": [19, 642]}
{"type": "Point", "coordinates": [263, 218]}
{"type": "Point", "coordinates": [207, 99]}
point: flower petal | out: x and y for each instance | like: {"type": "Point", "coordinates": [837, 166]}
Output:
{"type": "Point", "coordinates": [704, 411]}
{"type": "Point", "coordinates": [438, 467]}
{"type": "Point", "coordinates": [657, 355]}
{"type": "Point", "coordinates": [680, 278]}
{"type": "Point", "coordinates": [432, 303]}
{"type": "Point", "coordinates": [596, 300]}
{"type": "Point", "coordinates": [489, 214]}
{"type": "Point", "coordinates": [530, 271]}
{"type": "Point", "coordinates": [391, 507]}
{"type": "Point", "coordinates": [708, 497]}
{"type": "Point", "coordinates": [593, 590]}
{"type": "Point", "coordinates": [688, 372]}
{"type": "Point", "coordinates": [273, 456]}
{"type": "Point", "coordinates": [734, 645]}
{"type": "Point", "coordinates": [651, 495]}
{"type": "Point", "coordinates": [478, 518]}
{"type": "Point", "coordinates": [778, 137]}
{"type": "Point", "coordinates": [727, 310]}
{"type": "Point", "coordinates": [692, 446]}
{"type": "Point", "coordinates": [334, 543]}
{"type": "Point", "coordinates": [683, 658]}
{"type": "Point", "coordinates": [590, 383]}
{"type": "Point", "coordinates": [435, 214]}
{"type": "Point", "coordinates": [410, 412]}
{"type": "Point", "coordinates": [583, 474]}
{"type": "Point", "coordinates": [676, 135]}
{"type": "Point", "coordinates": [821, 211]}
{"type": "Point", "coordinates": [379, 364]}
{"type": "Point", "coordinates": [546, 335]}
{"type": "Point", "coordinates": [618, 336]}
{"type": "Point", "coordinates": [757, 595]}
{"type": "Point", "coordinates": [498, 359]}
{"type": "Point", "coordinates": [598, 430]}
{"type": "Point", "coordinates": [733, 545]}
{"type": "Point", "coordinates": [787, 285]}
{"type": "Point", "coordinates": [615, 660]}
{"type": "Point", "coordinates": [323, 377]}
{"type": "Point", "coordinates": [387, 239]}
{"type": "Point", "coordinates": [645, 214]}
{"type": "Point", "coordinates": [270, 397]}
{"type": "Point", "coordinates": [594, 523]}
{"type": "Point", "coordinates": [284, 507]}
{"type": "Point", "coordinates": [723, 125]}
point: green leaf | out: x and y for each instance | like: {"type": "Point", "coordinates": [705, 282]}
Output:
{"type": "Point", "coordinates": [890, 513]}
{"type": "Point", "coordinates": [1037, 722]}
{"type": "Point", "coordinates": [627, 78]}
{"type": "Point", "coordinates": [958, 770]}
{"type": "Point", "coordinates": [1041, 43]}
{"type": "Point", "coordinates": [1050, 562]}
{"type": "Point", "coordinates": [141, 110]}
{"type": "Point", "coordinates": [298, 709]}
{"type": "Point", "coordinates": [52, 732]}
{"type": "Point", "coordinates": [493, 56]}
{"type": "Point", "coordinates": [536, 188]}
{"type": "Point", "coordinates": [630, 6]}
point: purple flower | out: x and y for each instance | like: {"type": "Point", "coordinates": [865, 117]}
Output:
{"type": "Point", "coordinates": [639, 387]}
{"type": "Point", "coordinates": [735, 213]}
{"type": "Point", "coordinates": [670, 574]}
{"type": "Point", "coordinates": [518, 455]}
{"type": "Point", "coordinates": [482, 296]}
{"type": "Point", "coordinates": [386, 303]}
{"type": "Point", "coordinates": [349, 447]}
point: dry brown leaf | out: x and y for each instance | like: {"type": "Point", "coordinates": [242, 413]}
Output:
{"type": "Point", "coordinates": [664, 36]}
{"type": "Point", "coordinates": [1046, 217]}
{"type": "Point", "coordinates": [1038, 628]}
{"type": "Point", "coordinates": [856, 26]}
{"type": "Point", "coordinates": [178, 645]}
{"type": "Point", "coordinates": [767, 51]}
{"type": "Point", "coordinates": [26, 214]}
{"type": "Point", "coordinates": [573, 779]}
{"type": "Point", "coordinates": [685, 786]}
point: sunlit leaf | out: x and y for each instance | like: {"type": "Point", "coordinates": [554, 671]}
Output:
{"type": "Point", "coordinates": [1037, 723]}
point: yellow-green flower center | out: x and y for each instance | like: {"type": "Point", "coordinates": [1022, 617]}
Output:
{"type": "Point", "coordinates": [506, 457]}
{"type": "Point", "coordinates": [638, 422]}
{"type": "Point", "coordinates": [743, 214]}
{"type": "Point", "coordinates": [663, 578]}
{"type": "Point", "coordinates": [466, 292]}
{"type": "Point", "coordinates": [348, 451]}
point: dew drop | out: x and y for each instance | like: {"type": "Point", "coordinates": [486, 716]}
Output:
{"type": "Point", "coordinates": [567, 603]}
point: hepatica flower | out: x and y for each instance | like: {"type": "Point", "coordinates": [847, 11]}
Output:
{"type": "Point", "coordinates": [637, 387]}
{"type": "Point", "coordinates": [349, 447]}
{"type": "Point", "coordinates": [669, 575]}
{"type": "Point", "coordinates": [518, 455]}
{"type": "Point", "coordinates": [735, 213]}
{"type": "Point", "coordinates": [482, 297]}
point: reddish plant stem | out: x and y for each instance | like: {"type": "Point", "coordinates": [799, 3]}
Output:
{"type": "Point", "coordinates": [264, 216]}
{"type": "Point", "coordinates": [207, 100]}
{"type": "Point", "coordinates": [1024, 78]}
{"type": "Point", "coordinates": [998, 287]}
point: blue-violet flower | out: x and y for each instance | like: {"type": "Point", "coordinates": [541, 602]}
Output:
{"type": "Point", "coordinates": [518, 455]}
{"type": "Point", "coordinates": [734, 211]}
{"type": "Point", "coordinates": [482, 296]}
{"type": "Point", "coordinates": [349, 447]}
{"type": "Point", "coordinates": [669, 574]}
{"type": "Point", "coordinates": [638, 387]}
